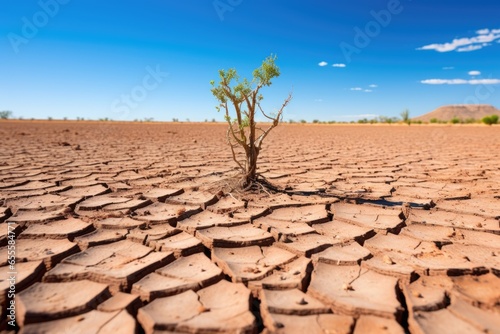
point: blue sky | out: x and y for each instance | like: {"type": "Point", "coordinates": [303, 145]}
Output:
{"type": "Point", "coordinates": [343, 60]}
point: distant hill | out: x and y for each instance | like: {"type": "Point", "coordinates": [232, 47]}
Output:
{"type": "Point", "coordinates": [461, 111]}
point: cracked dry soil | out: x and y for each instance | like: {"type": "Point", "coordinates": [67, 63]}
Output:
{"type": "Point", "coordinates": [120, 227]}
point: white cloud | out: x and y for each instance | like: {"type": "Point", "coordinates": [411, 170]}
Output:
{"type": "Point", "coordinates": [484, 81]}
{"type": "Point", "coordinates": [444, 81]}
{"type": "Point", "coordinates": [466, 44]}
{"type": "Point", "coordinates": [448, 68]}
{"type": "Point", "coordinates": [487, 31]}
{"type": "Point", "coordinates": [373, 86]}
{"type": "Point", "coordinates": [323, 63]}
{"type": "Point", "coordinates": [470, 48]}
{"type": "Point", "coordinates": [368, 90]}
{"type": "Point", "coordinates": [474, 73]}
{"type": "Point", "coordinates": [461, 82]}
{"type": "Point", "coordinates": [339, 65]}
{"type": "Point", "coordinates": [357, 88]}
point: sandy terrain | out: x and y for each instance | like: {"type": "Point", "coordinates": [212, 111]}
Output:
{"type": "Point", "coordinates": [122, 228]}
{"type": "Point", "coordinates": [461, 111]}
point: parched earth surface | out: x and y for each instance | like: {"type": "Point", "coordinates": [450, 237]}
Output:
{"type": "Point", "coordinates": [130, 228]}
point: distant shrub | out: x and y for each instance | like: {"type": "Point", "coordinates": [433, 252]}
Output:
{"type": "Point", "coordinates": [405, 116]}
{"type": "Point", "coordinates": [493, 119]}
{"type": "Point", "coordinates": [487, 120]}
{"type": "Point", "coordinates": [6, 114]}
{"type": "Point", "coordinates": [434, 120]}
{"type": "Point", "coordinates": [303, 121]}
{"type": "Point", "coordinates": [315, 121]}
{"type": "Point", "coordinates": [455, 120]}
{"type": "Point", "coordinates": [470, 121]}
{"type": "Point", "coordinates": [388, 120]}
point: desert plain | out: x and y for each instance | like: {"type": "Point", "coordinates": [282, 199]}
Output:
{"type": "Point", "coordinates": [135, 228]}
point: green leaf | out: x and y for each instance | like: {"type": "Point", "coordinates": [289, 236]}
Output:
{"type": "Point", "coordinates": [245, 122]}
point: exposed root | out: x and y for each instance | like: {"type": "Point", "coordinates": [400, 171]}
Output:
{"type": "Point", "coordinates": [238, 187]}
{"type": "Point", "coordinates": [226, 185]}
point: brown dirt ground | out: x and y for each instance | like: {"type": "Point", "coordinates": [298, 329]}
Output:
{"type": "Point", "coordinates": [133, 227]}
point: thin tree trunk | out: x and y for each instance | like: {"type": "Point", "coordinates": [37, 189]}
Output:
{"type": "Point", "coordinates": [253, 154]}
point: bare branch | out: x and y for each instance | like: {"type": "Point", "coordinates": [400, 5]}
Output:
{"type": "Point", "coordinates": [237, 105]}
{"type": "Point", "coordinates": [248, 101]}
{"type": "Point", "coordinates": [275, 122]}
{"type": "Point", "coordinates": [260, 129]}
{"type": "Point", "coordinates": [263, 113]}
{"type": "Point", "coordinates": [232, 149]}
{"type": "Point", "coordinates": [228, 120]}
{"type": "Point", "coordinates": [240, 121]}
{"type": "Point", "coordinates": [245, 98]}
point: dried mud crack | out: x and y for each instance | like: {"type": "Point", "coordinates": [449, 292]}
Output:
{"type": "Point", "coordinates": [133, 228]}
